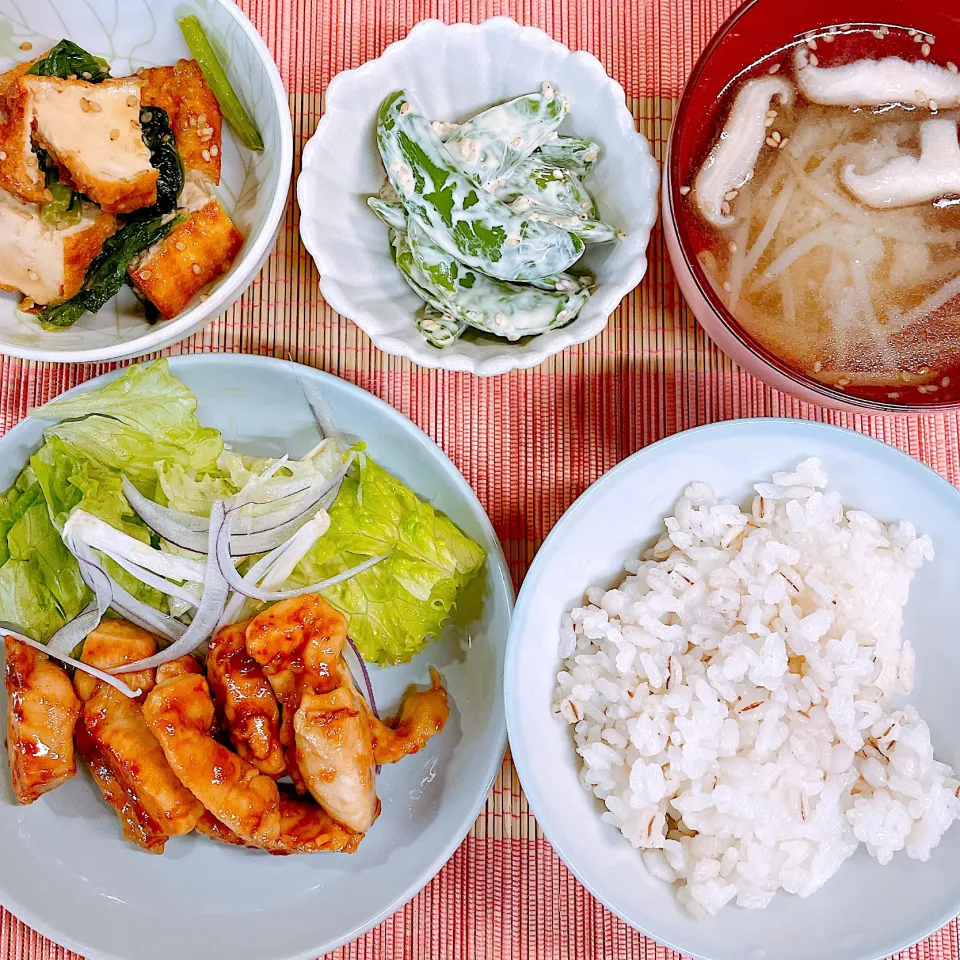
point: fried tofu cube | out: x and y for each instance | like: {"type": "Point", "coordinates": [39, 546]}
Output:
{"type": "Point", "coordinates": [93, 130]}
{"type": "Point", "coordinates": [42, 711]}
{"type": "Point", "coordinates": [194, 114]}
{"type": "Point", "coordinates": [47, 264]}
{"type": "Point", "coordinates": [14, 73]}
{"type": "Point", "coordinates": [20, 172]}
{"type": "Point", "coordinates": [195, 253]}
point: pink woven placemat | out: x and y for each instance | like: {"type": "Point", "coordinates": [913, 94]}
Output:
{"type": "Point", "coordinates": [529, 442]}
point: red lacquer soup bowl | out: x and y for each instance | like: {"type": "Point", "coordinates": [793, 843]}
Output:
{"type": "Point", "coordinates": [755, 31]}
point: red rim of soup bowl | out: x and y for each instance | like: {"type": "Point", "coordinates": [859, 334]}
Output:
{"type": "Point", "coordinates": [754, 31]}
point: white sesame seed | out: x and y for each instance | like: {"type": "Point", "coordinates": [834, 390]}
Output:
{"type": "Point", "coordinates": [513, 241]}
{"type": "Point", "coordinates": [894, 395]}
{"type": "Point", "coordinates": [812, 43]}
{"type": "Point", "coordinates": [725, 208]}
{"type": "Point", "coordinates": [727, 287]}
{"type": "Point", "coordinates": [181, 246]}
{"type": "Point", "coordinates": [214, 151]}
{"type": "Point", "coordinates": [934, 106]}
{"type": "Point", "coordinates": [952, 67]}
{"type": "Point", "coordinates": [813, 60]}
{"type": "Point", "coordinates": [26, 45]}
{"type": "Point", "coordinates": [590, 156]}
{"type": "Point", "coordinates": [930, 38]}
{"type": "Point", "coordinates": [33, 275]}
{"type": "Point", "coordinates": [828, 38]}
{"type": "Point", "coordinates": [945, 382]}
{"type": "Point", "coordinates": [196, 268]}
{"type": "Point", "coordinates": [499, 319]}
{"type": "Point", "coordinates": [770, 142]}
{"type": "Point", "coordinates": [3, 156]}
{"type": "Point", "coordinates": [733, 247]}
{"type": "Point", "coordinates": [517, 141]}
{"type": "Point", "coordinates": [842, 382]}
{"type": "Point", "coordinates": [769, 122]}
{"type": "Point", "coordinates": [731, 195]}
{"type": "Point", "coordinates": [925, 49]}
{"type": "Point", "coordinates": [878, 34]}
{"type": "Point", "coordinates": [775, 68]}
{"type": "Point", "coordinates": [783, 143]}
{"type": "Point", "coordinates": [817, 367]}
{"type": "Point", "coordinates": [114, 134]}
{"type": "Point", "coordinates": [404, 107]}
{"type": "Point", "coordinates": [146, 274]}
{"type": "Point", "coordinates": [918, 38]}
{"type": "Point", "coordinates": [205, 154]}
{"type": "Point", "coordinates": [684, 191]}
{"type": "Point", "coordinates": [132, 101]}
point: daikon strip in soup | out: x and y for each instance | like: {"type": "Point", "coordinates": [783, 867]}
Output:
{"type": "Point", "coordinates": [827, 211]}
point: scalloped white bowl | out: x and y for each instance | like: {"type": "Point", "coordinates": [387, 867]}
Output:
{"type": "Point", "coordinates": [453, 72]}
{"type": "Point", "coordinates": [253, 188]}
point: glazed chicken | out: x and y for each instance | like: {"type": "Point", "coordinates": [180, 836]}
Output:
{"type": "Point", "coordinates": [42, 710]}
{"type": "Point", "coordinates": [116, 726]}
{"type": "Point", "coordinates": [180, 713]}
{"type": "Point", "coordinates": [276, 689]}
{"type": "Point", "coordinates": [244, 697]}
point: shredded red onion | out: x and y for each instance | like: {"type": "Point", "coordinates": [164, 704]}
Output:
{"type": "Point", "coordinates": [76, 664]}
{"type": "Point", "coordinates": [366, 678]}
{"type": "Point", "coordinates": [322, 415]}
{"type": "Point", "coordinates": [208, 613]}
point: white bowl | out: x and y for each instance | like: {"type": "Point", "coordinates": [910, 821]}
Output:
{"type": "Point", "coordinates": [453, 72]}
{"type": "Point", "coordinates": [138, 33]}
{"type": "Point", "coordinates": [866, 911]}
{"type": "Point", "coordinates": [66, 870]}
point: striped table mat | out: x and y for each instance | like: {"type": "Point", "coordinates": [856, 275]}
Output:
{"type": "Point", "coordinates": [505, 894]}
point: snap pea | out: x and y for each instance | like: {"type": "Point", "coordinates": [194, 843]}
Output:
{"type": "Point", "coordinates": [572, 153]}
{"type": "Point", "coordinates": [465, 220]}
{"type": "Point", "coordinates": [491, 144]}
{"type": "Point", "coordinates": [504, 309]}
{"type": "Point", "coordinates": [439, 329]}
{"type": "Point", "coordinates": [540, 186]}
{"type": "Point", "coordinates": [392, 213]}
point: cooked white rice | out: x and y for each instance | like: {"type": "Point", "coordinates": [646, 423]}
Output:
{"type": "Point", "coordinates": [731, 699]}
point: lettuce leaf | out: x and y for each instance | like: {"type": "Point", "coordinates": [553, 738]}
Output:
{"type": "Point", "coordinates": [395, 607]}
{"type": "Point", "coordinates": [145, 418]}
{"type": "Point", "coordinates": [40, 585]}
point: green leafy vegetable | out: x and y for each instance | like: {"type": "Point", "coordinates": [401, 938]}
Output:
{"type": "Point", "coordinates": [158, 136]}
{"type": "Point", "coordinates": [231, 105]}
{"type": "Point", "coordinates": [40, 585]}
{"type": "Point", "coordinates": [66, 60]}
{"type": "Point", "coordinates": [105, 276]}
{"type": "Point", "coordinates": [396, 606]}
{"type": "Point", "coordinates": [139, 423]}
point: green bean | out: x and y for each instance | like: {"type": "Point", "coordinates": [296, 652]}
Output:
{"type": "Point", "coordinates": [233, 110]}
{"type": "Point", "coordinates": [494, 142]}
{"type": "Point", "coordinates": [504, 309]}
{"type": "Point", "coordinates": [392, 213]}
{"type": "Point", "coordinates": [540, 186]}
{"type": "Point", "coordinates": [464, 220]}
{"type": "Point", "coordinates": [572, 153]}
{"type": "Point", "coordinates": [437, 328]}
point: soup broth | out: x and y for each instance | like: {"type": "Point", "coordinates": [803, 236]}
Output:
{"type": "Point", "coordinates": [862, 298]}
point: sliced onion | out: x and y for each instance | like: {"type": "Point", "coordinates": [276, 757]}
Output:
{"type": "Point", "coordinates": [260, 534]}
{"type": "Point", "coordinates": [320, 409]}
{"type": "Point", "coordinates": [72, 633]}
{"type": "Point", "coordinates": [76, 664]}
{"type": "Point", "coordinates": [274, 467]}
{"type": "Point", "coordinates": [82, 526]}
{"type": "Point", "coordinates": [124, 603]}
{"type": "Point", "coordinates": [209, 611]}
{"type": "Point", "coordinates": [152, 580]}
{"type": "Point", "coordinates": [244, 588]}
{"type": "Point", "coordinates": [188, 520]}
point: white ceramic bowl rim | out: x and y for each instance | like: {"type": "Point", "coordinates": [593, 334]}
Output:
{"type": "Point", "coordinates": [541, 806]}
{"type": "Point", "coordinates": [604, 301]}
{"type": "Point", "coordinates": [242, 272]}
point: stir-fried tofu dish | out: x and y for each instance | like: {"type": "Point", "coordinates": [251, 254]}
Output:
{"type": "Point", "coordinates": [268, 744]}
{"type": "Point", "coordinates": [106, 181]}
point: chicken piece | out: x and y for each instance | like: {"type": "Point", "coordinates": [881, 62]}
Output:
{"type": "Point", "coordinates": [195, 119]}
{"type": "Point", "coordinates": [304, 828]}
{"type": "Point", "coordinates": [423, 715]}
{"type": "Point", "coordinates": [93, 130]}
{"type": "Point", "coordinates": [45, 263]}
{"type": "Point", "coordinates": [177, 668]}
{"type": "Point", "coordinates": [42, 710]}
{"type": "Point", "coordinates": [298, 644]}
{"type": "Point", "coordinates": [20, 172]}
{"type": "Point", "coordinates": [193, 254]}
{"type": "Point", "coordinates": [335, 755]}
{"type": "Point", "coordinates": [112, 644]}
{"type": "Point", "coordinates": [245, 699]}
{"type": "Point", "coordinates": [138, 826]}
{"type": "Point", "coordinates": [301, 638]}
{"type": "Point", "coordinates": [117, 726]}
{"type": "Point", "coordinates": [180, 714]}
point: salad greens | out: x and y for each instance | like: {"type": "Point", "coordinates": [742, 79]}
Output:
{"type": "Point", "coordinates": [143, 427]}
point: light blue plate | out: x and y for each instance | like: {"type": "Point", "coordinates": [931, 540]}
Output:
{"type": "Point", "coordinates": [66, 871]}
{"type": "Point", "coordinates": [866, 910]}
